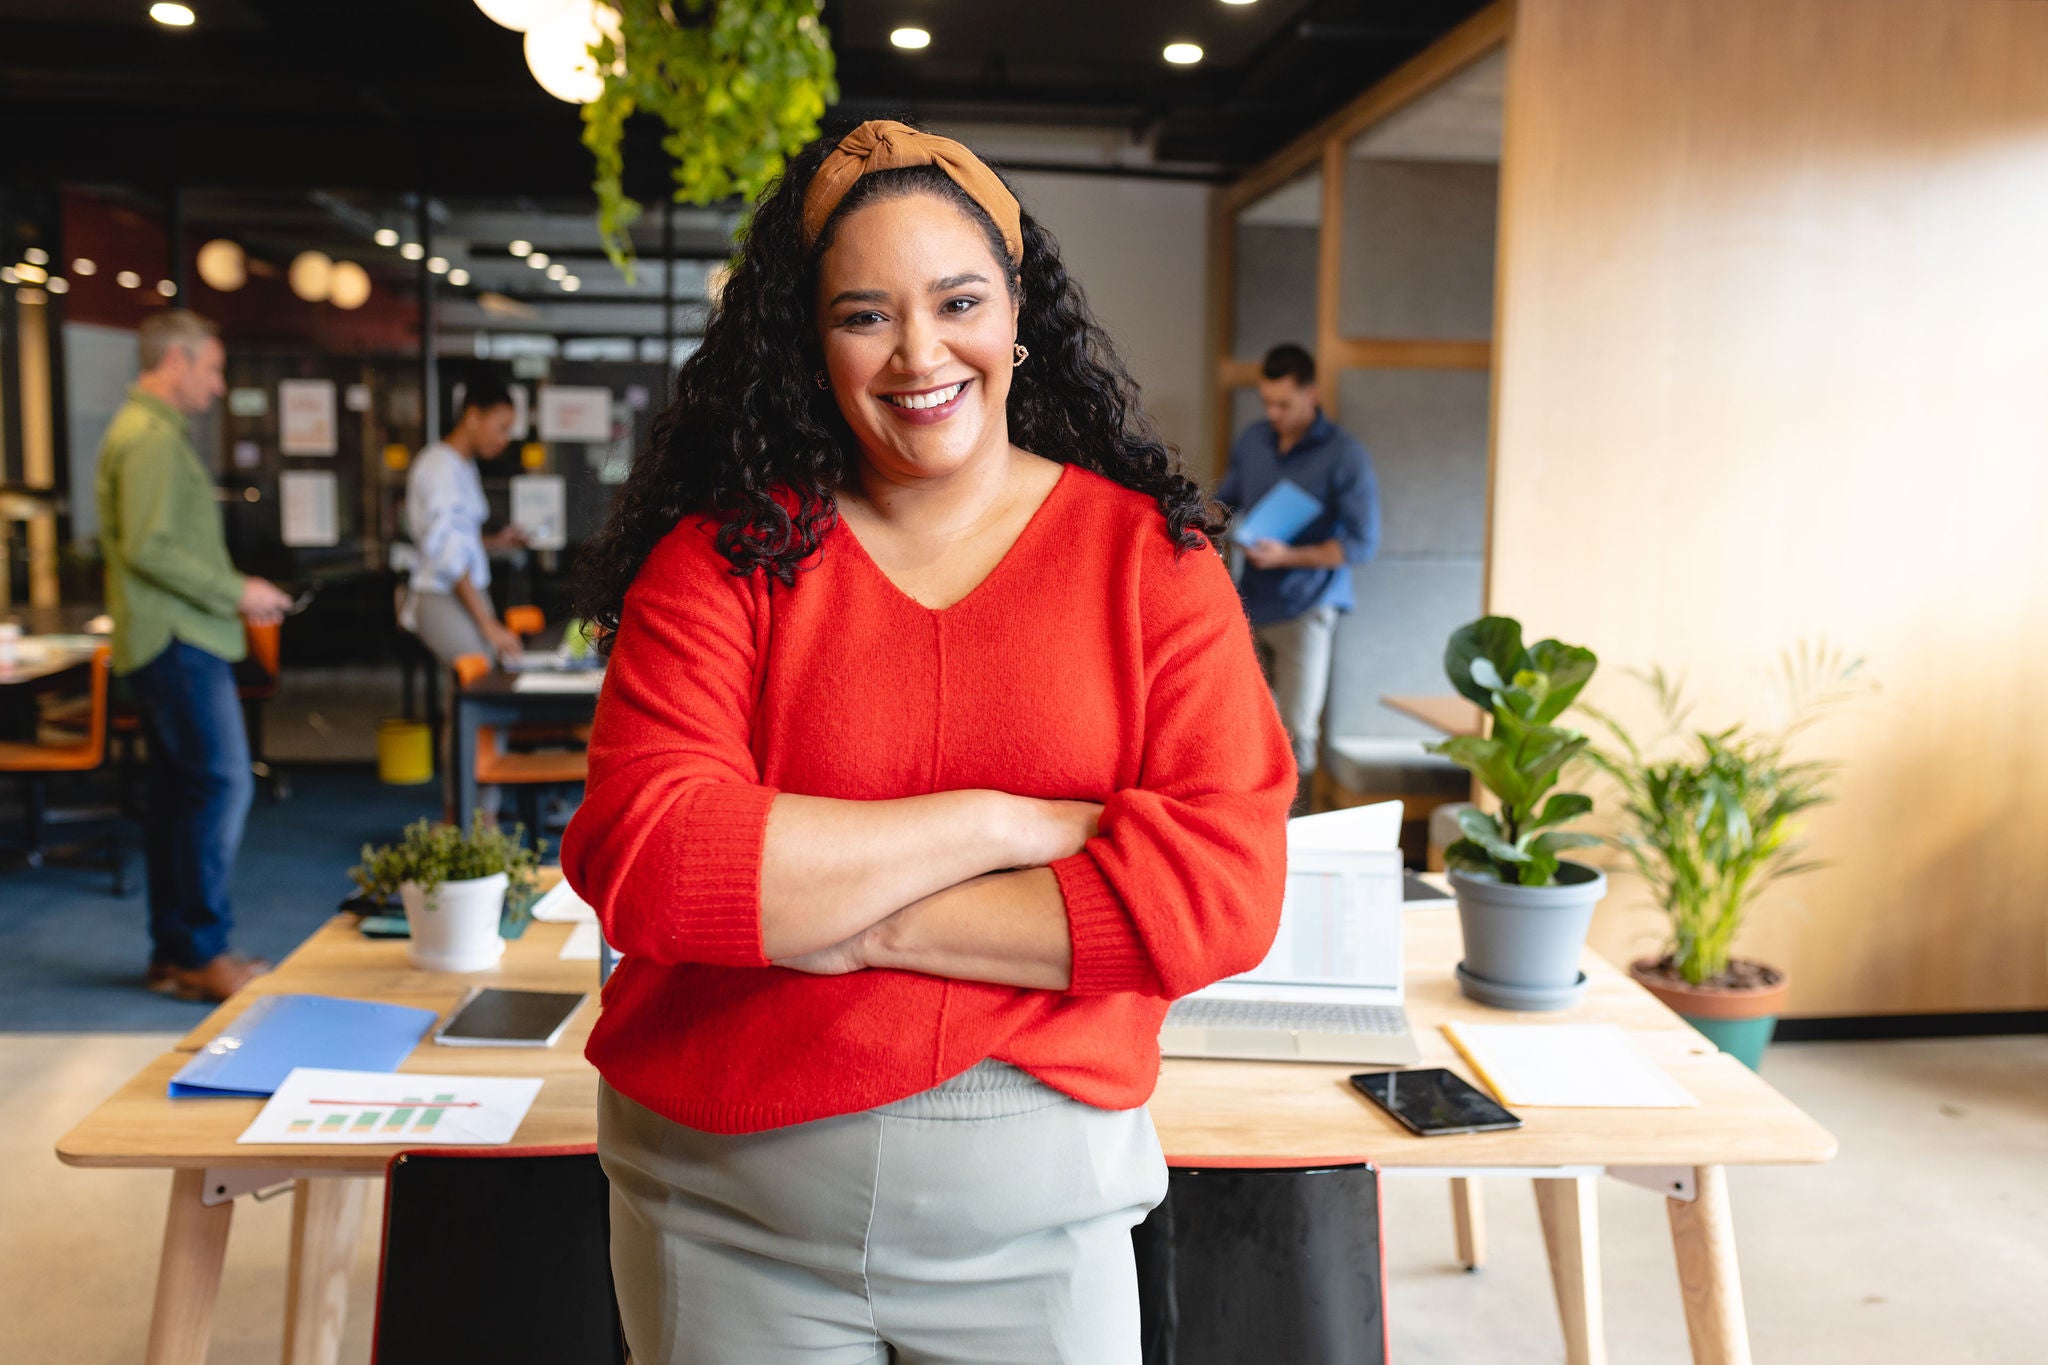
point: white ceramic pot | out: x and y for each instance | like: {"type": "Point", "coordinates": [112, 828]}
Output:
{"type": "Point", "coordinates": [455, 928]}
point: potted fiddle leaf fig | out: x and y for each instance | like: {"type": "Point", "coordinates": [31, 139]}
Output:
{"type": "Point", "coordinates": [453, 884]}
{"type": "Point", "coordinates": [1523, 908]}
{"type": "Point", "coordinates": [1709, 827]}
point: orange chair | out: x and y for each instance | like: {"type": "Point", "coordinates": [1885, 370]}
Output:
{"type": "Point", "coordinates": [527, 772]}
{"type": "Point", "coordinates": [525, 620]}
{"type": "Point", "coordinates": [61, 749]}
{"type": "Point", "coordinates": [256, 683]}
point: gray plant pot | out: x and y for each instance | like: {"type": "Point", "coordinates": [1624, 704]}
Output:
{"type": "Point", "coordinates": [1523, 943]}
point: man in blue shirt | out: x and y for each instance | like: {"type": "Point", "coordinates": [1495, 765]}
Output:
{"type": "Point", "coordinates": [1293, 592]}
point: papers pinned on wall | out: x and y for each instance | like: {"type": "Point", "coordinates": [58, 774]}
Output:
{"type": "Point", "coordinates": [305, 416]}
{"type": "Point", "coordinates": [308, 511]}
{"type": "Point", "coordinates": [358, 1108]}
{"type": "Point", "coordinates": [575, 413]}
{"type": "Point", "coordinates": [540, 507]}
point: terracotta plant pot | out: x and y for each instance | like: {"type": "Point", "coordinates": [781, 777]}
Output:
{"type": "Point", "coordinates": [1738, 1020]}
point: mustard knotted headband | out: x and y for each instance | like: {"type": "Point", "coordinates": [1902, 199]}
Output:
{"type": "Point", "coordinates": [885, 145]}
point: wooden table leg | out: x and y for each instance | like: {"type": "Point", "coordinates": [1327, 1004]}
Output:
{"type": "Point", "coordinates": [188, 1276]}
{"type": "Point", "coordinates": [1569, 1209]}
{"type": "Point", "coordinates": [1703, 1235]}
{"type": "Point", "coordinates": [327, 1218]}
{"type": "Point", "coordinates": [1468, 1218]}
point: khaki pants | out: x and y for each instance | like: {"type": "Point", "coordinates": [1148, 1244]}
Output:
{"type": "Point", "coordinates": [987, 1220]}
{"type": "Point", "coordinates": [1296, 656]}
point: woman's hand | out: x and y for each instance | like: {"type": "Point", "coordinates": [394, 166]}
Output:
{"type": "Point", "coordinates": [1040, 833]}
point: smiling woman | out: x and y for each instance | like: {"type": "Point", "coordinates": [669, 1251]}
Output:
{"type": "Point", "coordinates": [933, 760]}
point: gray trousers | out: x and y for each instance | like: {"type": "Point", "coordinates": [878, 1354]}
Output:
{"type": "Point", "coordinates": [1295, 654]}
{"type": "Point", "coordinates": [446, 628]}
{"type": "Point", "coordinates": [986, 1220]}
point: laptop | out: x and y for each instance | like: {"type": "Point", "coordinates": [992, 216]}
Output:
{"type": "Point", "coordinates": [1330, 989]}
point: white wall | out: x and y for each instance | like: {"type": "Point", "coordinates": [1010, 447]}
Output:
{"type": "Point", "coordinates": [1140, 251]}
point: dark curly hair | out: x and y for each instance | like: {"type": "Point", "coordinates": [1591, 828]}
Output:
{"type": "Point", "coordinates": [748, 420]}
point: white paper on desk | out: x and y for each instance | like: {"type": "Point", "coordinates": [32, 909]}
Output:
{"type": "Point", "coordinates": [1566, 1066]}
{"type": "Point", "coordinates": [582, 944]}
{"type": "Point", "coordinates": [560, 904]}
{"type": "Point", "coordinates": [573, 680]}
{"type": "Point", "coordinates": [1376, 826]}
{"type": "Point", "coordinates": [373, 1108]}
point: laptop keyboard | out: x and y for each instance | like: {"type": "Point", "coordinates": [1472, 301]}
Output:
{"type": "Point", "coordinates": [1289, 1017]}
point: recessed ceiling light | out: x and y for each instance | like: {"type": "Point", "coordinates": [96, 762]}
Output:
{"type": "Point", "coordinates": [34, 274]}
{"type": "Point", "coordinates": [7, 275]}
{"type": "Point", "coordinates": [1182, 54]}
{"type": "Point", "coordinates": [458, 276]}
{"type": "Point", "coordinates": [571, 283]}
{"type": "Point", "coordinates": [538, 260]}
{"type": "Point", "coordinates": [83, 266]}
{"type": "Point", "coordinates": [60, 285]}
{"type": "Point", "coordinates": [35, 255]}
{"type": "Point", "coordinates": [412, 251]}
{"type": "Point", "coordinates": [166, 288]}
{"type": "Point", "coordinates": [557, 271]}
{"type": "Point", "coordinates": [521, 248]}
{"type": "Point", "coordinates": [171, 15]}
{"type": "Point", "coordinates": [385, 236]}
{"type": "Point", "coordinates": [128, 279]}
{"type": "Point", "coordinates": [911, 39]}
{"type": "Point", "coordinates": [437, 265]}
{"type": "Point", "coordinates": [1238, 2]}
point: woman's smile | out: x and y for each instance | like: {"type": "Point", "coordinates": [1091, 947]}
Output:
{"type": "Point", "coordinates": [926, 406]}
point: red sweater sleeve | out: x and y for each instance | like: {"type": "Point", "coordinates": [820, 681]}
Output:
{"type": "Point", "coordinates": [667, 843]}
{"type": "Point", "coordinates": [1182, 885]}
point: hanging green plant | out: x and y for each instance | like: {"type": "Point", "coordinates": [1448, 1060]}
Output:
{"type": "Point", "coordinates": [739, 84]}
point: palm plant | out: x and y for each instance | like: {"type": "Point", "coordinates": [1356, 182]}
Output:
{"type": "Point", "coordinates": [1714, 825]}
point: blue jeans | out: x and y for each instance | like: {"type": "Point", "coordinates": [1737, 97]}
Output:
{"type": "Point", "coordinates": [199, 792]}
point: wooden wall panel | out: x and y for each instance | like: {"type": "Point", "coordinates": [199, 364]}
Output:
{"type": "Point", "coordinates": [1773, 364]}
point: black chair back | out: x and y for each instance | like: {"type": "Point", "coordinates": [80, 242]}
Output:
{"type": "Point", "coordinates": [1264, 1263]}
{"type": "Point", "coordinates": [496, 1256]}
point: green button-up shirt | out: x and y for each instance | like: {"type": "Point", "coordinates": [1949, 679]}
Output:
{"type": "Point", "coordinates": [168, 575]}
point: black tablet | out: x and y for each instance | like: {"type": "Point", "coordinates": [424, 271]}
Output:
{"type": "Point", "coordinates": [490, 1017]}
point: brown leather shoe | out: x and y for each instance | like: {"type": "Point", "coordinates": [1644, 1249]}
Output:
{"type": "Point", "coordinates": [213, 983]}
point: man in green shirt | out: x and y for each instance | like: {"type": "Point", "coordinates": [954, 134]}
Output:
{"type": "Point", "coordinates": [178, 607]}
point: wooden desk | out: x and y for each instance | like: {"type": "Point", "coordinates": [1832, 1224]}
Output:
{"type": "Point", "coordinates": [1204, 1110]}
{"type": "Point", "coordinates": [495, 699]}
{"type": "Point", "coordinates": [1450, 713]}
{"type": "Point", "coordinates": [45, 656]}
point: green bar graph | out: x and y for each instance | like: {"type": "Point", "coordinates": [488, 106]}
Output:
{"type": "Point", "coordinates": [368, 1119]}
{"type": "Point", "coordinates": [301, 1125]}
{"type": "Point", "coordinates": [333, 1123]}
{"type": "Point", "coordinates": [398, 1118]}
{"type": "Point", "coordinates": [433, 1116]}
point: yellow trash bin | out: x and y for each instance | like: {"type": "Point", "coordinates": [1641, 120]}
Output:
{"type": "Point", "coordinates": [405, 752]}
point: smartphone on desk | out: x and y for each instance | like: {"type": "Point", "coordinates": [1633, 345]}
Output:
{"type": "Point", "coordinates": [1434, 1102]}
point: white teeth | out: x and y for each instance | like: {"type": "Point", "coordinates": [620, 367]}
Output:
{"type": "Point", "coordinates": [935, 399]}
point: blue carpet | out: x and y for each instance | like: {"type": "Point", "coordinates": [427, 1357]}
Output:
{"type": "Point", "coordinates": [72, 954]}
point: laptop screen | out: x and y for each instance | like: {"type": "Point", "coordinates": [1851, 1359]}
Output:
{"type": "Point", "coordinates": [1340, 924]}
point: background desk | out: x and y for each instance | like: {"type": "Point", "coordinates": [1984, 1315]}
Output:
{"type": "Point", "coordinates": [1204, 1111]}
{"type": "Point", "coordinates": [495, 699]}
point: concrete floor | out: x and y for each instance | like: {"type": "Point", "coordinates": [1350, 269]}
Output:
{"type": "Point", "coordinates": [1927, 1240]}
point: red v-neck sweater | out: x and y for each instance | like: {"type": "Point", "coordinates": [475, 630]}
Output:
{"type": "Point", "coordinates": [1093, 663]}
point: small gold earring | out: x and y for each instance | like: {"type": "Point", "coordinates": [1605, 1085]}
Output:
{"type": "Point", "coordinates": [818, 378]}
{"type": "Point", "coordinates": [1022, 354]}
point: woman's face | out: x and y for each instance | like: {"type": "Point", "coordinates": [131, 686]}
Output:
{"type": "Point", "coordinates": [916, 326]}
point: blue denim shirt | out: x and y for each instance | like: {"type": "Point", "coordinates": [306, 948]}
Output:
{"type": "Point", "coordinates": [1331, 466]}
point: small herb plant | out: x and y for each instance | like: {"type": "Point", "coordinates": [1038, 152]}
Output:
{"type": "Point", "coordinates": [431, 853]}
{"type": "Point", "coordinates": [1712, 826]}
{"type": "Point", "coordinates": [1525, 689]}
{"type": "Point", "coordinates": [737, 84]}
